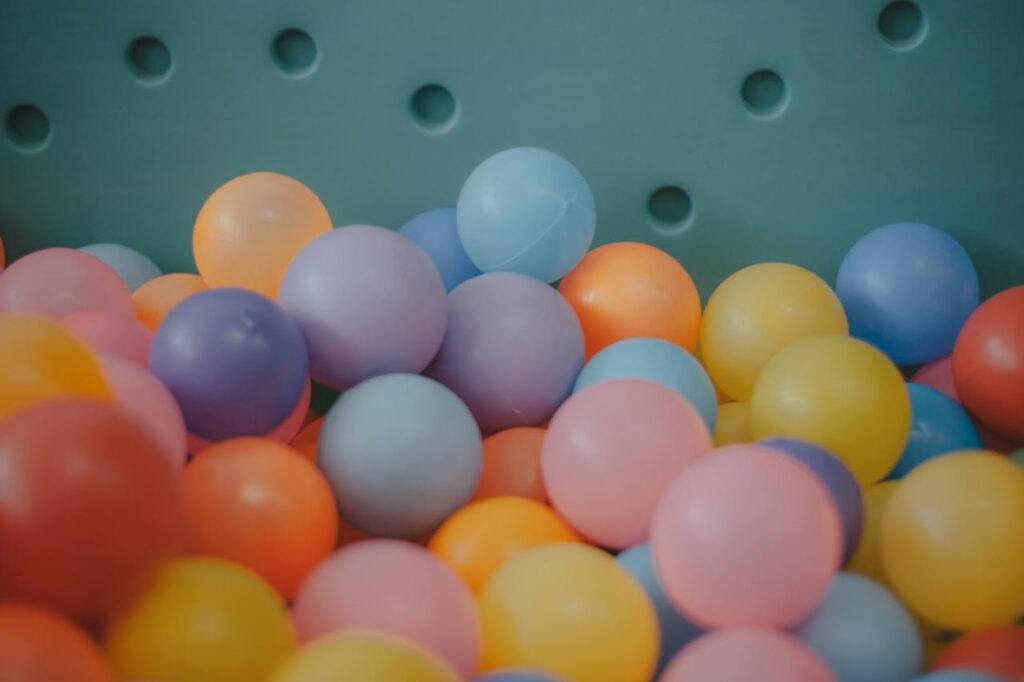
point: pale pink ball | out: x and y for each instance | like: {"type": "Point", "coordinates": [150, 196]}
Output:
{"type": "Point", "coordinates": [745, 655]}
{"type": "Point", "coordinates": [112, 335]}
{"type": "Point", "coordinates": [58, 282]}
{"type": "Point", "coordinates": [143, 397]}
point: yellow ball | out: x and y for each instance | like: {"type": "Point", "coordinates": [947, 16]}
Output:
{"type": "Point", "coordinates": [733, 424]}
{"type": "Point", "coordinates": [568, 610]}
{"type": "Point", "coordinates": [953, 540]}
{"type": "Point", "coordinates": [757, 312]}
{"type": "Point", "coordinates": [867, 560]}
{"type": "Point", "coordinates": [42, 359]}
{"type": "Point", "coordinates": [203, 620]}
{"type": "Point", "coordinates": [363, 657]}
{"type": "Point", "coordinates": [840, 393]}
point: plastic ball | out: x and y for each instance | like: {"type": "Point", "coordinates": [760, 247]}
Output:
{"type": "Point", "coordinates": [141, 396]}
{"type": "Point", "coordinates": [839, 393]}
{"type": "Point", "coordinates": [867, 559]}
{"type": "Point", "coordinates": [526, 210]}
{"type": "Point", "coordinates": [158, 297]}
{"type": "Point", "coordinates": [518, 676]}
{"type": "Point", "coordinates": [397, 588]}
{"type": "Point", "coordinates": [907, 289]}
{"type": "Point", "coordinates": [307, 440]}
{"type": "Point", "coordinates": [957, 676]}
{"type": "Point", "coordinates": [938, 374]}
{"type": "Point", "coordinates": [110, 334]}
{"type": "Point", "coordinates": [988, 364]}
{"type": "Point", "coordinates": [364, 656]}
{"type": "Point", "coordinates": [202, 620]}
{"type": "Point", "coordinates": [511, 465]}
{"type": "Point", "coordinates": [369, 302]}
{"type": "Point", "coordinates": [998, 652]}
{"type": "Point", "coordinates": [512, 350]}
{"type": "Point", "coordinates": [757, 312]}
{"type": "Point", "coordinates": [41, 359]}
{"type": "Point", "coordinates": [626, 289]}
{"type": "Point", "coordinates": [733, 425]}
{"type": "Point", "coordinates": [746, 537]}
{"type": "Point", "coordinates": [938, 425]}
{"type": "Point", "coordinates": [401, 453]}
{"type": "Point", "coordinates": [132, 267]}
{"type": "Point", "coordinates": [610, 451]}
{"type": "Point", "coordinates": [58, 282]}
{"type": "Point", "coordinates": [745, 654]}
{"type": "Point", "coordinates": [435, 232]}
{"type": "Point", "coordinates": [658, 361]}
{"type": "Point", "coordinates": [676, 631]}
{"type": "Point", "coordinates": [863, 632]}
{"type": "Point", "coordinates": [96, 510]}
{"type": "Point", "coordinates": [234, 361]}
{"type": "Point", "coordinates": [251, 228]}
{"type": "Point", "coordinates": [38, 645]}
{"type": "Point", "coordinates": [951, 540]}
{"type": "Point", "coordinates": [476, 540]}
{"type": "Point", "coordinates": [260, 504]}
{"type": "Point", "coordinates": [571, 611]}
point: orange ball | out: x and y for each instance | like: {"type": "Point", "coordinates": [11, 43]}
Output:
{"type": "Point", "coordinates": [38, 645]}
{"type": "Point", "coordinates": [3, 255]}
{"type": "Point", "coordinates": [512, 465]}
{"type": "Point", "coordinates": [997, 651]}
{"type": "Point", "coordinates": [251, 228]}
{"type": "Point", "coordinates": [261, 504]}
{"type": "Point", "coordinates": [157, 297]}
{"type": "Point", "coordinates": [480, 537]}
{"type": "Point", "coordinates": [626, 289]}
{"type": "Point", "coordinates": [308, 438]}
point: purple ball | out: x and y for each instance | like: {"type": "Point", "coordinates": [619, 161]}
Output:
{"type": "Point", "coordinates": [512, 350]}
{"type": "Point", "coordinates": [837, 478]}
{"type": "Point", "coordinates": [234, 361]}
{"type": "Point", "coordinates": [369, 302]}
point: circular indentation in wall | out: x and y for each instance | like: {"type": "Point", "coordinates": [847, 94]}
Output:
{"type": "Point", "coordinates": [433, 106]}
{"type": "Point", "coordinates": [149, 59]}
{"type": "Point", "coordinates": [670, 210]}
{"type": "Point", "coordinates": [27, 128]}
{"type": "Point", "coordinates": [294, 52]}
{"type": "Point", "coordinates": [765, 94]}
{"type": "Point", "coordinates": [902, 24]}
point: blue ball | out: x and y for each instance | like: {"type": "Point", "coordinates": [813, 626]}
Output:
{"type": "Point", "coordinates": [863, 632]}
{"type": "Point", "coordinates": [526, 210]}
{"type": "Point", "coordinates": [676, 631]}
{"type": "Point", "coordinates": [658, 361]}
{"type": "Point", "coordinates": [401, 453]}
{"type": "Point", "coordinates": [518, 676]}
{"type": "Point", "coordinates": [908, 288]}
{"type": "Point", "coordinates": [133, 268]}
{"type": "Point", "coordinates": [435, 233]}
{"type": "Point", "coordinates": [955, 675]}
{"type": "Point", "coordinates": [937, 425]}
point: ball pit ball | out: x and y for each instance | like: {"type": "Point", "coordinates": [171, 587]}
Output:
{"type": "Point", "coordinates": [908, 288]}
{"type": "Point", "coordinates": [110, 334]}
{"type": "Point", "coordinates": [757, 312]}
{"type": "Point", "coordinates": [518, 676]}
{"type": "Point", "coordinates": [307, 439]}
{"type": "Point", "coordinates": [746, 654]}
{"type": "Point", "coordinates": [938, 374]}
{"type": "Point", "coordinates": [401, 453]}
{"type": "Point", "coordinates": [58, 282]}
{"type": "Point", "coordinates": [610, 451]}
{"type": "Point", "coordinates": [867, 559]}
{"type": "Point", "coordinates": [251, 228]}
{"type": "Point", "coordinates": [746, 536]}
{"type": "Point", "coordinates": [435, 232]}
{"type": "Point", "coordinates": [511, 464]}
{"type": "Point", "coordinates": [233, 360]}
{"type": "Point", "coordinates": [142, 396]}
{"type": "Point", "coordinates": [369, 302]}
{"type": "Point", "coordinates": [957, 676]}
{"type": "Point", "coordinates": [512, 350]}
{"type": "Point", "coordinates": [954, 560]}
{"type": "Point", "coordinates": [158, 297]}
{"type": "Point", "coordinates": [733, 425]}
{"type": "Point", "coordinates": [397, 588]}
{"type": "Point", "coordinates": [526, 210]}
{"type": "Point", "coordinates": [132, 267]}
{"type": "Point", "coordinates": [938, 425]}
{"type": "Point", "coordinates": [626, 289]}
{"type": "Point", "coordinates": [996, 651]}
{"type": "Point", "coordinates": [38, 645]}
{"type": "Point", "coordinates": [571, 611]}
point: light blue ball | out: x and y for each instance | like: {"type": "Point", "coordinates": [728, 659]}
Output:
{"type": "Point", "coordinates": [401, 453]}
{"type": "Point", "coordinates": [659, 361]}
{"type": "Point", "coordinates": [518, 676]}
{"type": "Point", "coordinates": [676, 631]}
{"type": "Point", "coordinates": [133, 267]}
{"type": "Point", "coordinates": [863, 632]}
{"type": "Point", "coordinates": [957, 676]}
{"type": "Point", "coordinates": [937, 425]}
{"type": "Point", "coordinates": [526, 210]}
{"type": "Point", "coordinates": [435, 233]}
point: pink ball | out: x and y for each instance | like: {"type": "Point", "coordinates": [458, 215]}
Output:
{"type": "Point", "coordinates": [609, 452]}
{"type": "Point", "coordinates": [742, 655]}
{"type": "Point", "coordinates": [284, 433]}
{"type": "Point", "coordinates": [112, 335]}
{"type": "Point", "coordinates": [938, 375]}
{"type": "Point", "coordinates": [58, 282]}
{"type": "Point", "coordinates": [746, 536]}
{"type": "Point", "coordinates": [141, 395]}
{"type": "Point", "coordinates": [394, 587]}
